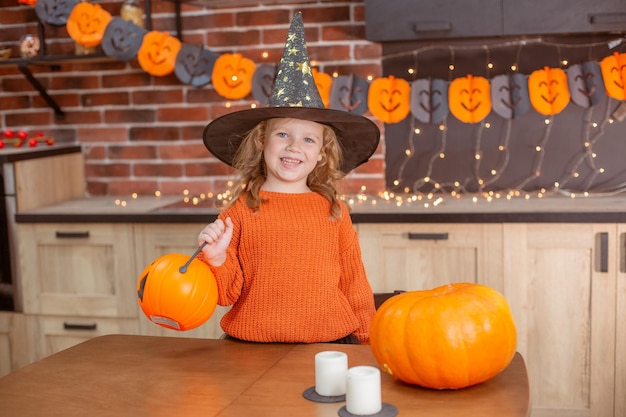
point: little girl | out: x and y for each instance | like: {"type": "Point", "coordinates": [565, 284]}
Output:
{"type": "Point", "coordinates": [284, 251]}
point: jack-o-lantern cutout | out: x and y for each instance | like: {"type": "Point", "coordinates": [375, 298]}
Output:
{"type": "Point", "coordinates": [469, 98]}
{"type": "Point", "coordinates": [429, 100]}
{"type": "Point", "coordinates": [323, 82]}
{"type": "Point", "coordinates": [509, 95]}
{"type": "Point", "coordinates": [158, 52]}
{"type": "Point", "coordinates": [614, 74]}
{"type": "Point", "coordinates": [54, 12]}
{"type": "Point", "coordinates": [547, 89]}
{"type": "Point", "coordinates": [388, 99]}
{"type": "Point", "coordinates": [87, 23]}
{"type": "Point", "coordinates": [349, 93]}
{"type": "Point", "coordinates": [232, 76]}
{"type": "Point", "coordinates": [122, 39]}
{"type": "Point", "coordinates": [263, 82]}
{"type": "Point", "coordinates": [194, 65]}
{"type": "Point", "coordinates": [585, 84]}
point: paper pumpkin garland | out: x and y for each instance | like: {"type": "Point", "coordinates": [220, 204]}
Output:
{"type": "Point", "coordinates": [509, 95]}
{"type": "Point", "coordinates": [585, 84]}
{"type": "Point", "coordinates": [469, 98]}
{"type": "Point", "coordinates": [232, 76]}
{"type": "Point", "coordinates": [54, 12]}
{"type": "Point", "coordinates": [158, 52]}
{"type": "Point", "coordinates": [548, 90]}
{"type": "Point", "coordinates": [86, 23]}
{"type": "Point", "coordinates": [388, 99]}
{"type": "Point", "coordinates": [194, 65]}
{"type": "Point", "coordinates": [263, 82]}
{"type": "Point", "coordinates": [429, 100]}
{"type": "Point", "coordinates": [323, 82]}
{"type": "Point", "coordinates": [349, 93]}
{"type": "Point", "coordinates": [614, 74]}
{"type": "Point", "coordinates": [122, 39]}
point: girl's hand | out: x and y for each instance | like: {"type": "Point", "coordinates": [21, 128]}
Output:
{"type": "Point", "coordinates": [217, 235]}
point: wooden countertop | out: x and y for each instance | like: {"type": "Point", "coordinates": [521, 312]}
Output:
{"type": "Point", "coordinates": [13, 154]}
{"type": "Point", "coordinates": [172, 209]}
{"type": "Point", "coordinates": [120, 375]}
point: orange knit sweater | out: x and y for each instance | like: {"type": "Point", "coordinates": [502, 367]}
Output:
{"type": "Point", "coordinates": [292, 274]}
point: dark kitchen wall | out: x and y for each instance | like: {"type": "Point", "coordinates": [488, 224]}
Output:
{"type": "Point", "coordinates": [142, 133]}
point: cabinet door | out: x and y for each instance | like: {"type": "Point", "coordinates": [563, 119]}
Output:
{"type": "Point", "coordinates": [15, 344]}
{"type": "Point", "coordinates": [620, 345]}
{"type": "Point", "coordinates": [422, 256]}
{"type": "Point", "coordinates": [77, 269]}
{"type": "Point", "coordinates": [53, 334]}
{"type": "Point", "coordinates": [562, 16]}
{"type": "Point", "coordinates": [154, 240]}
{"type": "Point", "coordinates": [431, 19]}
{"type": "Point", "coordinates": [561, 284]}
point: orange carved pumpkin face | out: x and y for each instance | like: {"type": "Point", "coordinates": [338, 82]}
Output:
{"type": "Point", "coordinates": [469, 98]}
{"type": "Point", "coordinates": [614, 74]}
{"type": "Point", "coordinates": [388, 99]}
{"type": "Point", "coordinates": [232, 76]}
{"type": "Point", "coordinates": [323, 82]}
{"type": "Point", "coordinates": [548, 90]}
{"type": "Point", "coordinates": [87, 22]}
{"type": "Point", "coordinates": [158, 52]}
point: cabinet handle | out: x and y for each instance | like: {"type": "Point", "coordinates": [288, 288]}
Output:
{"type": "Point", "coordinates": [432, 26]}
{"type": "Point", "coordinates": [72, 235]}
{"type": "Point", "coordinates": [428, 236]}
{"type": "Point", "coordinates": [604, 252]}
{"type": "Point", "coordinates": [75, 326]}
{"type": "Point", "coordinates": [607, 18]}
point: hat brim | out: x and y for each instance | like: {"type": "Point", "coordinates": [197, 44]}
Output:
{"type": "Point", "coordinates": [357, 135]}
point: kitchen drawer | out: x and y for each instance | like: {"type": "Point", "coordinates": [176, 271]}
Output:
{"type": "Point", "coordinates": [77, 269]}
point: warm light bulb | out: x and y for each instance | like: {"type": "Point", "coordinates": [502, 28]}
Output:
{"type": "Point", "coordinates": [407, 152]}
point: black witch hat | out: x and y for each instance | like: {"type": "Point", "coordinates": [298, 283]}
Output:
{"type": "Point", "coordinates": [295, 95]}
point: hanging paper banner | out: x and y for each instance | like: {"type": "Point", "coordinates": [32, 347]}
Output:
{"type": "Point", "coordinates": [86, 24]}
{"type": "Point", "coordinates": [388, 99]}
{"type": "Point", "coordinates": [614, 74]}
{"type": "Point", "coordinates": [509, 95]}
{"type": "Point", "coordinates": [323, 82]}
{"type": "Point", "coordinates": [548, 92]}
{"type": "Point", "coordinates": [349, 93]}
{"type": "Point", "coordinates": [263, 82]}
{"type": "Point", "coordinates": [469, 98]}
{"type": "Point", "coordinates": [122, 39]}
{"type": "Point", "coordinates": [585, 84]}
{"type": "Point", "coordinates": [429, 100]}
{"type": "Point", "coordinates": [232, 76]}
{"type": "Point", "coordinates": [194, 65]}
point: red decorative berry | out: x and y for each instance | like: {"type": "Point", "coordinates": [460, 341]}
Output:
{"type": "Point", "coordinates": [9, 133]}
{"type": "Point", "coordinates": [18, 144]}
{"type": "Point", "coordinates": [32, 143]}
{"type": "Point", "coordinates": [1, 144]}
{"type": "Point", "coordinates": [22, 134]}
{"type": "Point", "coordinates": [39, 134]}
{"type": "Point", "coordinates": [49, 141]}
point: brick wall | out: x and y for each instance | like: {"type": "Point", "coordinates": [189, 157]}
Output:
{"type": "Point", "coordinates": [142, 133]}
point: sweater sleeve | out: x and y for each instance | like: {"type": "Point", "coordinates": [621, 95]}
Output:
{"type": "Point", "coordinates": [353, 282]}
{"type": "Point", "coordinates": [229, 276]}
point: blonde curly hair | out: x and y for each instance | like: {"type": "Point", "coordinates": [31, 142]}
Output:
{"type": "Point", "coordinates": [250, 165]}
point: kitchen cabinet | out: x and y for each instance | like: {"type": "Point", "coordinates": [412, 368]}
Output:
{"type": "Point", "coordinates": [565, 285]}
{"type": "Point", "coordinates": [403, 20]}
{"type": "Point", "coordinates": [15, 349]}
{"type": "Point", "coordinates": [154, 240]}
{"type": "Point", "coordinates": [417, 256]}
{"type": "Point", "coordinates": [77, 281]}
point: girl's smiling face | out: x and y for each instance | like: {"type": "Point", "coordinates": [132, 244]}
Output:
{"type": "Point", "coordinates": [292, 149]}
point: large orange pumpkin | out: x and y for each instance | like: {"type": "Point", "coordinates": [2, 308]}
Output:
{"type": "Point", "coordinates": [450, 337]}
{"type": "Point", "coordinates": [174, 299]}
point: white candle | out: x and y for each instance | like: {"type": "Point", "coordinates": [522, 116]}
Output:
{"type": "Point", "coordinates": [330, 373]}
{"type": "Point", "coordinates": [363, 396]}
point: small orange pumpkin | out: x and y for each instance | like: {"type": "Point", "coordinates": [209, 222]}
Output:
{"type": "Point", "coordinates": [548, 90]}
{"type": "Point", "coordinates": [450, 337]}
{"type": "Point", "coordinates": [614, 75]}
{"type": "Point", "coordinates": [323, 82]}
{"type": "Point", "coordinates": [232, 76]}
{"type": "Point", "coordinates": [158, 52]}
{"type": "Point", "coordinates": [87, 22]}
{"type": "Point", "coordinates": [388, 99]}
{"type": "Point", "coordinates": [469, 98]}
{"type": "Point", "coordinates": [177, 300]}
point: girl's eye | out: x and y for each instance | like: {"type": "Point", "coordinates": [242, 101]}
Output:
{"type": "Point", "coordinates": [281, 134]}
{"type": "Point", "coordinates": [309, 140]}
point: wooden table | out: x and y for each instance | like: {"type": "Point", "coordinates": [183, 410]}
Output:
{"type": "Point", "coordinates": [120, 375]}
